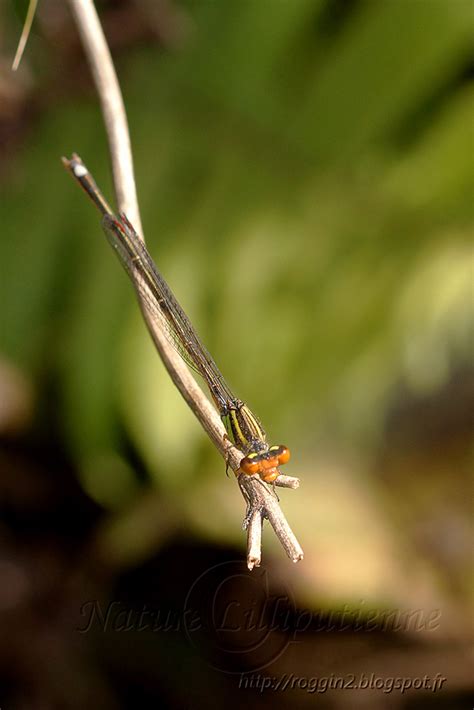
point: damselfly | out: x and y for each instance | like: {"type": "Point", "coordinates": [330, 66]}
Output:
{"type": "Point", "coordinates": [152, 290]}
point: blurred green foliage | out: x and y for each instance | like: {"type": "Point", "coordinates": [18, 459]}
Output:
{"type": "Point", "coordinates": [305, 178]}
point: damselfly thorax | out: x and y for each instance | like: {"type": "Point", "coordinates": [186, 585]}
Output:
{"type": "Point", "coordinates": [247, 433]}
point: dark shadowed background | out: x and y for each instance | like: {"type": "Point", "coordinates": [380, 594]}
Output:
{"type": "Point", "coordinates": [304, 171]}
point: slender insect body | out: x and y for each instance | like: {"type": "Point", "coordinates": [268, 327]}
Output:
{"type": "Point", "coordinates": [154, 294]}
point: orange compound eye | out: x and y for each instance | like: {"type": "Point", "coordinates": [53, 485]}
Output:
{"type": "Point", "coordinates": [249, 466]}
{"type": "Point", "coordinates": [283, 455]}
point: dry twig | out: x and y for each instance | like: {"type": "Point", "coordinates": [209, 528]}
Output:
{"type": "Point", "coordinates": [30, 15]}
{"type": "Point", "coordinates": [261, 500]}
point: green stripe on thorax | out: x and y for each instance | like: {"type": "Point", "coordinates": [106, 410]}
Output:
{"type": "Point", "coordinates": [244, 429]}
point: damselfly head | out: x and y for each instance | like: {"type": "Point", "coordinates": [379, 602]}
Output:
{"type": "Point", "coordinates": [265, 463]}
